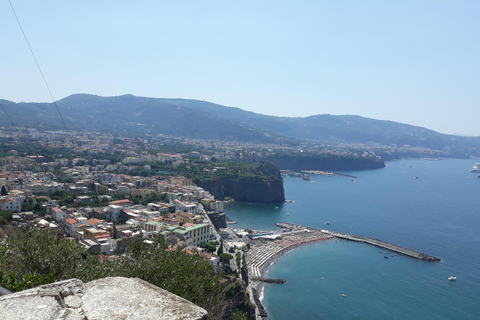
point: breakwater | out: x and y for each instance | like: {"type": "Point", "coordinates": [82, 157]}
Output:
{"type": "Point", "coordinates": [268, 280]}
{"type": "Point", "coordinates": [262, 313]}
{"type": "Point", "coordinates": [371, 241]}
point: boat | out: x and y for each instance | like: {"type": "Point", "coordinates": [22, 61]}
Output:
{"type": "Point", "coordinates": [328, 223]}
{"type": "Point", "coordinates": [288, 214]}
{"type": "Point", "coordinates": [305, 177]}
{"type": "Point", "coordinates": [385, 257]}
{"type": "Point", "coordinates": [344, 295]}
{"type": "Point", "coordinates": [476, 167]}
{"type": "Point", "coordinates": [415, 177]}
{"type": "Point", "coordinates": [452, 278]}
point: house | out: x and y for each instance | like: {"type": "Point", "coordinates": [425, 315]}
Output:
{"type": "Point", "coordinates": [180, 180]}
{"type": "Point", "coordinates": [118, 229]}
{"type": "Point", "coordinates": [94, 222]}
{"type": "Point", "coordinates": [9, 204]}
{"type": "Point", "coordinates": [17, 195]}
{"type": "Point", "coordinates": [192, 208]}
{"type": "Point", "coordinates": [114, 211]}
{"type": "Point", "coordinates": [195, 235]}
{"type": "Point", "coordinates": [57, 213]}
{"type": "Point", "coordinates": [96, 233]}
{"type": "Point", "coordinates": [151, 226]}
{"type": "Point", "coordinates": [71, 225]}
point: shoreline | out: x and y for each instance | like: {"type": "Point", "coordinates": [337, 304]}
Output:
{"type": "Point", "coordinates": [266, 253]}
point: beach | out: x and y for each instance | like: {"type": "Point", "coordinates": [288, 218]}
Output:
{"type": "Point", "coordinates": [263, 253]}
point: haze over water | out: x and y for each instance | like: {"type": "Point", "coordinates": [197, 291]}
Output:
{"type": "Point", "coordinates": [438, 214]}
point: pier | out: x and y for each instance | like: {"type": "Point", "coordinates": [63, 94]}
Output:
{"type": "Point", "coordinates": [375, 242]}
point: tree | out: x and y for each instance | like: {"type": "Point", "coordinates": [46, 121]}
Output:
{"type": "Point", "coordinates": [4, 191]}
{"type": "Point", "coordinates": [225, 257]}
{"type": "Point", "coordinates": [7, 215]}
{"type": "Point", "coordinates": [41, 257]}
{"type": "Point", "coordinates": [210, 247]}
{"type": "Point", "coordinates": [38, 258]}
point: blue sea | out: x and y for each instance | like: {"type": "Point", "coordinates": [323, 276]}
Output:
{"type": "Point", "coordinates": [438, 213]}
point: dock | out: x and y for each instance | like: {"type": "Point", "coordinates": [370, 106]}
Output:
{"type": "Point", "coordinates": [374, 242]}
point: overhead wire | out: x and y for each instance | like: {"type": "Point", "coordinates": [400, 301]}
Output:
{"type": "Point", "coordinates": [41, 72]}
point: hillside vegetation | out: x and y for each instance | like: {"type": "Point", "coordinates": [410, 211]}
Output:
{"type": "Point", "coordinates": [200, 119]}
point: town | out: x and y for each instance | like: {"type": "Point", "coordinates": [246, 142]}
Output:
{"type": "Point", "coordinates": [184, 217]}
{"type": "Point", "coordinates": [107, 192]}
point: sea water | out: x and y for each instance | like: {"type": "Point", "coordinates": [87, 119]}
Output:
{"type": "Point", "coordinates": [437, 213]}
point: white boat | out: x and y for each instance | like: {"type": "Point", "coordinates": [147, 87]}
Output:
{"type": "Point", "coordinates": [476, 167]}
{"type": "Point", "coordinates": [451, 278]}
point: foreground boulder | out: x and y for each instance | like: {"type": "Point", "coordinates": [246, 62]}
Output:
{"type": "Point", "coordinates": [103, 299]}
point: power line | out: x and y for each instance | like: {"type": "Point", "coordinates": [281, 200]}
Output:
{"type": "Point", "coordinates": [40, 69]}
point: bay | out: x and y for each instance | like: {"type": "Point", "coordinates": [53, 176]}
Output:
{"type": "Point", "coordinates": [437, 213]}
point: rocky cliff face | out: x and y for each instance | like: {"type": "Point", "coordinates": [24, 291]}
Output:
{"type": "Point", "coordinates": [267, 191]}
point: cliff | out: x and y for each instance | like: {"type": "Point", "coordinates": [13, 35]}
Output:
{"type": "Point", "coordinates": [245, 181]}
{"type": "Point", "coordinates": [267, 191]}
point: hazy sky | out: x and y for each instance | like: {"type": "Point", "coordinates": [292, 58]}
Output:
{"type": "Point", "coordinates": [416, 62]}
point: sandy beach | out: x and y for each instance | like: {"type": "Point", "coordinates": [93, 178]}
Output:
{"type": "Point", "coordinates": [264, 253]}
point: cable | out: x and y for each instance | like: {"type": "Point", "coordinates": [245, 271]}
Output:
{"type": "Point", "coordinates": [40, 69]}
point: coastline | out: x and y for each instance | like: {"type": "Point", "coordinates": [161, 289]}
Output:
{"type": "Point", "coordinates": [265, 253]}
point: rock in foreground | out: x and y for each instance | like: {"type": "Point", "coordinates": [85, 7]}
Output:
{"type": "Point", "coordinates": [103, 299]}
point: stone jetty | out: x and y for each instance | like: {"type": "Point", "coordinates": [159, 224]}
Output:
{"type": "Point", "coordinates": [268, 280]}
{"type": "Point", "coordinates": [375, 242]}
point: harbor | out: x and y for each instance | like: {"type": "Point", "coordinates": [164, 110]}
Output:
{"type": "Point", "coordinates": [264, 252]}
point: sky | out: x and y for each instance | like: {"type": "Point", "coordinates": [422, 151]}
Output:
{"type": "Point", "coordinates": [409, 61]}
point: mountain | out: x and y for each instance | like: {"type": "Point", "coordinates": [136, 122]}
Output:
{"type": "Point", "coordinates": [338, 129]}
{"type": "Point", "coordinates": [132, 115]}
{"type": "Point", "coordinates": [129, 114]}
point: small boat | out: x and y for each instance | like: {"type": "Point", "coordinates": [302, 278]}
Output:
{"type": "Point", "coordinates": [385, 257]}
{"type": "Point", "coordinates": [415, 177]}
{"type": "Point", "coordinates": [452, 278]}
{"type": "Point", "coordinates": [344, 295]}
{"type": "Point", "coordinates": [328, 223]}
{"type": "Point", "coordinates": [476, 167]}
{"type": "Point", "coordinates": [306, 177]}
